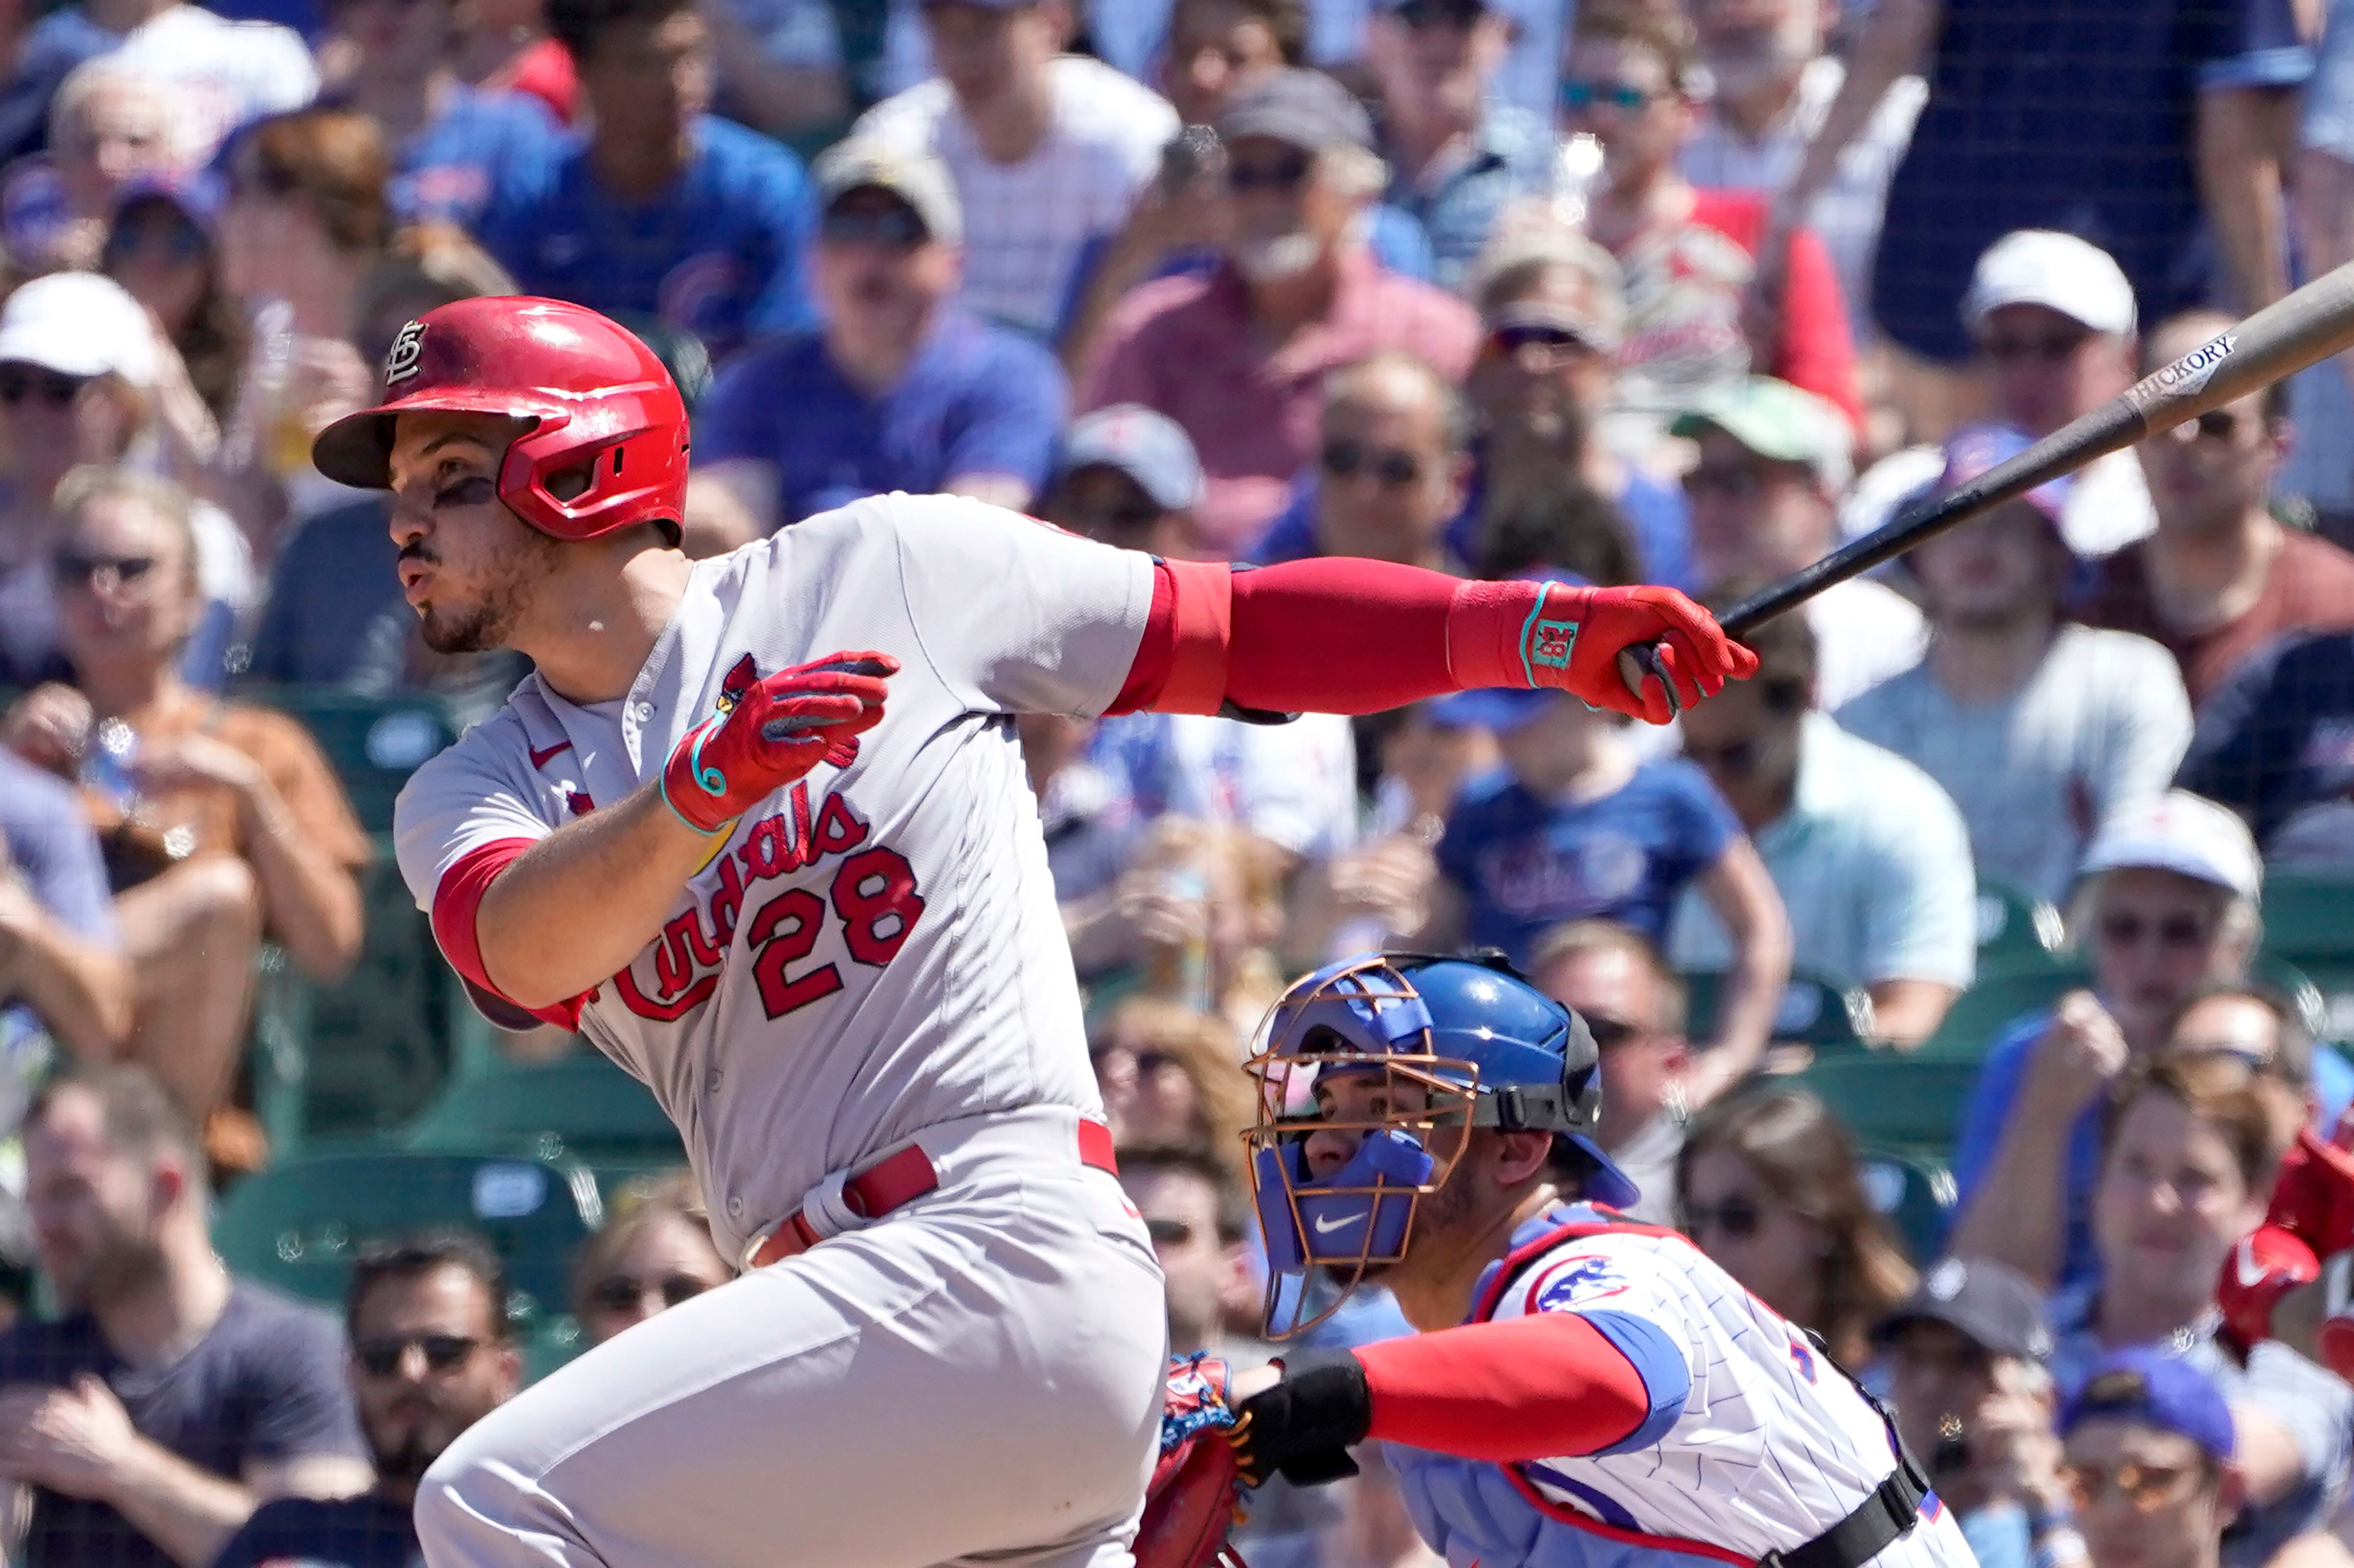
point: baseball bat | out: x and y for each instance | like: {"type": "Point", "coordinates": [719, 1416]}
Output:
{"type": "Point", "coordinates": [2306, 325]}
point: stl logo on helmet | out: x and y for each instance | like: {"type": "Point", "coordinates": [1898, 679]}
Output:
{"type": "Point", "coordinates": [407, 350]}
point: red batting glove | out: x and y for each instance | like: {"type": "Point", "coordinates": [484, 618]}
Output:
{"type": "Point", "coordinates": [2267, 1265]}
{"type": "Point", "coordinates": [2313, 1195]}
{"type": "Point", "coordinates": [768, 733]}
{"type": "Point", "coordinates": [1574, 639]}
{"type": "Point", "coordinates": [2337, 1344]}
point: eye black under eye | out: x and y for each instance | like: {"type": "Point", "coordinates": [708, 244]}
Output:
{"type": "Point", "coordinates": [470, 492]}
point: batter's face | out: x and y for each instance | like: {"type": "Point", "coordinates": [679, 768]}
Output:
{"type": "Point", "coordinates": [414, 1409]}
{"type": "Point", "coordinates": [468, 564]}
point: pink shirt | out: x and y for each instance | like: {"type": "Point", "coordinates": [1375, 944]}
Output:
{"type": "Point", "coordinates": [1186, 346]}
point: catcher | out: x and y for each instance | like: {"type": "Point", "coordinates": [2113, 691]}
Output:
{"type": "Point", "coordinates": [1585, 1390]}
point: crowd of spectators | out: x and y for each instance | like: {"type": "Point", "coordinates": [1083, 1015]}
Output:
{"type": "Point", "coordinates": [1685, 291]}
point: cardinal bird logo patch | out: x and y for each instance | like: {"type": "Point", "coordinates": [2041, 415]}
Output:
{"type": "Point", "coordinates": [738, 681]}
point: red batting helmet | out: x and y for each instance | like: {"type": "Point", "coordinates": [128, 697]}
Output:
{"type": "Point", "coordinates": [598, 398]}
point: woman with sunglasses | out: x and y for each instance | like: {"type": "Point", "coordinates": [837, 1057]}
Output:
{"type": "Point", "coordinates": [655, 1253]}
{"type": "Point", "coordinates": [1169, 1079]}
{"type": "Point", "coordinates": [161, 248]}
{"type": "Point", "coordinates": [1770, 1191]}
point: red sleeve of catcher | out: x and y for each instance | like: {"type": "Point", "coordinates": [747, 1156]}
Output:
{"type": "Point", "coordinates": [1335, 636]}
{"type": "Point", "coordinates": [1528, 1388]}
{"type": "Point", "coordinates": [457, 900]}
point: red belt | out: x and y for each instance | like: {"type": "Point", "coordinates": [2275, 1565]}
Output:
{"type": "Point", "coordinates": [902, 1179]}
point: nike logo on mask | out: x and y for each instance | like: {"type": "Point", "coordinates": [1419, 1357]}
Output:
{"type": "Point", "coordinates": [1325, 1227]}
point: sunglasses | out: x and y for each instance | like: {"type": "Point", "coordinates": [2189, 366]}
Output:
{"type": "Point", "coordinates": [2171, 931]}
{"type": "Point", "coordinates": [1625, 95]}
{"type": "Point", "coordinates": [382, 1358]}
{"type": "Point", "coordinates": [2148, 1487]}
{"type": "Point", "coordinates": [76, 570]}
{"type": "Point", "coordinates": [1169, 1232]}
{"type": "Point", "coordinates": [1345, 459]}
{"type": "Point", "coordinates": [176, 238]}
{"type": "Point", "coordinates": [18, 382]}
{"type": "Point", "coordinates": [2052, 348]}
{"type": "Point", "coordinates": [1609, 1032]}
{"type": "Point", "coordinates": [625, 1292]}
{"type": "Point", "coordinates": [1285, 174]}
{"type": "Point", "coordinates": [1554, 344]}
{"type": "Point", "coordinates": [1128, 519]}
{"type": "Point", "coordinates": [1734, 481]}
{"type": "Point", "coordinates": [891, 227]}
{"type": "Point", "coordinates": [1737, 1217]}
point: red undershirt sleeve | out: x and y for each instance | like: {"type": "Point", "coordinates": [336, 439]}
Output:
{"type": "Point", "coordinates": [1537, 1387]}
{"type": "Point", "coordinates": [457, 905]}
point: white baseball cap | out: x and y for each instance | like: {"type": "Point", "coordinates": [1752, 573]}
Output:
{"type": "Point", "coordinates": [78, 323]}
{"type": "Point", "coordinates": [2058, 271]}
{"type": "Point", "coordinates": [2181, 833]}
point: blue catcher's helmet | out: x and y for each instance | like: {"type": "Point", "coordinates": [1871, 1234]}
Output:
{"type": "Point", "coordinates": [1483, 1047]}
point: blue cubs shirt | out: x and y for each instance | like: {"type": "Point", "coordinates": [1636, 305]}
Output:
{"type": "Point", "coordinates": [479, 143]}
{"type": "Point", "coordinates": [1527, 864]}
{"type": "Point", "coordinates": [977, 398]}
{"type": "Point", "coordinates": [721, 253]}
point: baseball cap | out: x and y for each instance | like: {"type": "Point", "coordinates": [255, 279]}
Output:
{"type": "Point", "coordinates": [1990, 1304]}
{"type": "Point", "coordinates": [1973, 449]}
{"type": "Point", "coordinates": [1305, 108]}
{"type": "Point", "coordinates": [1777, 420]}
{"type": "Point", "coordinates": [1149, 446]}
{"type": "Point", "coordinates": [78, 323]}
{"type": "Point", "coordinates": [1603, 324]}
{"type": "Point", "coordinates": [2151, 1388]}
{"type": "Point", "coordinates": [918, 179]}
{"type": "Point", "coordinates": [2181, 833]}
{"type": "Point", "coordinates": [2058, 271]}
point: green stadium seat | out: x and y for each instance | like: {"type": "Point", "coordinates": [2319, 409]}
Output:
{"type": "Point", "coordinates": [2016, 928]}
{"type": "Point", "coordinates": [1914, 1195]}
{"type": "Point", "coordinates": [2309, 922]}
{"type": "Point", "coordinates": [1909, 1104]}
{"type": "Point", "coordinates": [297, 1225]}
{"type": "Point", "coordinates": [1815, 1009]}
{"type": "Point", "coordinates": [374, 742]}
{"type": "Point", "coordinates": [2001, 994]}
{"type": "Point", "coordinates": [580, 1105]}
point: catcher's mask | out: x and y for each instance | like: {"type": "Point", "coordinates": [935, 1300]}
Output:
{"type": "Point", "coordinates": [1458, 1043]}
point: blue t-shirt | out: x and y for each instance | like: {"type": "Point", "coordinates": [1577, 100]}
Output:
{"type": "Point", "coordinates": [1526, 864]}
{"type": "Point", "coordinates": [265, 1384]}
{"type": "Point", "coordinates": [1511, 157]}
{"type": "Point", "coordinates": [721, 253]}
{"type": "Point", "coordinates": [365, 1531]}
{"type": "Point", "coordinates": [480, 142]}
{"type": "Point", "coordinates": [2278, 737]}
{"type": "Point", "coordinates": [1988, 1111]}
{"type": "Point", "coordinates": [977, 398]}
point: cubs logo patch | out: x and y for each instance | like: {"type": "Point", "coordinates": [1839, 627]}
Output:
{"type": "Point", "coordinates": [408, 351]}
{"type": "Point", "coordinates": [1549, 643]}
{"type": "Point", "coordinates": [1576, 1282]}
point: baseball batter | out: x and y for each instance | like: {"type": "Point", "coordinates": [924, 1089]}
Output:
{"type": "Point", "coordinates": [759, 828]}
{"type": "Point", "coordinates": [1586, 1391]}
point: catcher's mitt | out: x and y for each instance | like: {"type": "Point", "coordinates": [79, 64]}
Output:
{"type": "Point", "coordinates": [1195, 1494]}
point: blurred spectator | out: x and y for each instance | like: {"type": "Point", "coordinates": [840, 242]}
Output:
{"type": "Point", "coordinates": [60, 961]}
{"type": "Point", "coordinates": [2221, 576]}
{"type": "Point", "coordinates": [1239, 359]}
{"type": "Point", "coordinates": [2149, 1446]}
{"type": "Point", "coordinates": [1687, 254]}
{"type": "Point", "coordinates": [1543, 387]}
{"type": "Point", "coordinates": [171, 1398]}
{"type": "Point", "coordinates": [1391, 464]}
{"type": "Point", "coordinates": [307, 217]}
{"type": "Point", "coordinates": [654, 1252]}
{"type": "Point", "coordinates": [1871, 858]}
{"type": "Point", "coordinates": [1214, 47]}
{"type": "Point", "coordinates": [1169, 918]}
{"type": "Point", "coordinates": [430, 1355]}
{"type": "Point", "coordinates": [1974, 1405]}
{"type": "Point", "coordinates": [1457, 156]}
{"type": "Point", "coordinates": [2037, 727]}
{"type": "Point", "coordinates": [2275, 743]}
{"type": "Point", "coordinates": [2166, 902]}
{"type": "Point", "coordinates": [1574, 827]}
{"type": "Point", "coordinates": [163, 249]}
{"type": "Point", "coordinates": [503, 45]}
{"type": "Point", "coordinates": [780, 68]}
{"type": "Point", "coordinates": [1193, 1208]}
{"type": "Point", "coordinates": [1172, 1078]}
{"type": "Point", "coordinates": [1772, 82]}
{"type": "Point", "coordinates": [109, 125]}
{"type": "Point", "coordinates": [1047, 149]}
{"type": "Point", "coordinates": [1615, 980]}
{"type": "Point", "coordinates": [1773, 462]}
{"type": "Point", "coordinates": [1127, 477]}
{"type": "Point", "coordinates": [2260, 1027]}
{"type": "Point", "coordinates": [659, 208]}
{"type": "Point", "coordinates": [451, 145]}
{"type": "Point", "coordinates": [900, 388]}
{"type": "Point", "coordinates": [2098, 138]}
{"type": "Point", "coordinates": [222, 821]}
{"type": "Point", "coordinates": [1768, 1188]}
{"type": "Point", "coordinates": [2191, 1145]}
{"type": "Point", "coordinates": [84, 378]}
{"type": "Point", "coordinates": [229, 72]}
